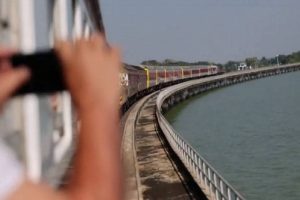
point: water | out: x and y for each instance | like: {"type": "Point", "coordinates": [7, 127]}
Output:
{"type": "Point", "coordinates": [250, 133]}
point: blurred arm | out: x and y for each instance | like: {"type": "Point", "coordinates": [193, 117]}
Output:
{"type": "Point", "coordinates": [91, 70]}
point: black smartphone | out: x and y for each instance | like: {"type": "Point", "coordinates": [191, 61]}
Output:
{"type": "Point", "coordinates": [46, 72]}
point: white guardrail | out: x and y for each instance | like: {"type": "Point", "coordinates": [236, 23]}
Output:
{"type": "Point", "coordinates": [208, 179]}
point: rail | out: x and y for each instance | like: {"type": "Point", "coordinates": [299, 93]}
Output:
{"type": "Point", "coordinates": [208, 179]}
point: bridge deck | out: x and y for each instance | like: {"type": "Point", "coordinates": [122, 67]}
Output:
{"type": "Point", "coordinates": [160, 174]}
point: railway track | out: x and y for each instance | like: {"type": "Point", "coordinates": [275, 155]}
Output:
{"type": "Point", "coordinates": [153, 170]}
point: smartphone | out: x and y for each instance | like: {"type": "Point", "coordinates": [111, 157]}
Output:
{"type": "Point", "coordinates": [46, 72]}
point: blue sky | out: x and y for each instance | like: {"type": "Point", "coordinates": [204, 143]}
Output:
{"type": "Point", "coordinates": [192, 30]}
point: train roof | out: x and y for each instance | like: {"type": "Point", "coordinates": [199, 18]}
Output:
{"type": "Point", "coordinates": [178, 67]}
{"type": "Point", "coordinates": [132, 67]}
{"type": "Point", "coordinates": [135, 67]}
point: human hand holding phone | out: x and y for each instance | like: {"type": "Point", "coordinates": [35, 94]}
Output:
{"type": "Point", "coordinates": [46, 72]}
{"type": "Point", "coordinates": [10, 78]}
{"type": "Point", "coordinates": [89, 68]}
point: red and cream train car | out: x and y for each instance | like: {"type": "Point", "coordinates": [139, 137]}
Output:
{"type": "Point", "coordinates": [136, 80]}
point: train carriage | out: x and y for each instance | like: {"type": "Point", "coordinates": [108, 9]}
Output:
{"type": "Point", "coordinates": [214, 69]}
{"type": "Point", "coordinates": [195, 72]}
{"type": "Point", "coordinates": [177, 74]}
{"type": "Point", "coordinates": [204, 71]}
{"type": "Point", "coordinates": [152, 78]}
{"type": "Point", "coordinates": [137, 80]}
{"type": "Point", "coordinates": [169, 75]}
{"type": "Point", "coordinates": [161, 76]}
{"type": "Point", "coordinates": [187, 73]}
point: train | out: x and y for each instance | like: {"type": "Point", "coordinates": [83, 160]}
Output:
{"type": "Point", "coordinates": [137, 81]}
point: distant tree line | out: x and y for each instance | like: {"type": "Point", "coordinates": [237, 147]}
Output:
{"type": "Point", "coordinates": [263, 62]}
{"type": "Point", "coordinates": [254, 62]}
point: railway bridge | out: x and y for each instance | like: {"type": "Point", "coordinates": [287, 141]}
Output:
{"type": "Point", "coordinates": [160, 163]}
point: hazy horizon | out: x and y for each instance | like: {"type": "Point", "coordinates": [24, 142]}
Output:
{"type": "Point", "coordinates": [206, 30]}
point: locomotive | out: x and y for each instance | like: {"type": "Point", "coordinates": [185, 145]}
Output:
{"type": "Point", "coordinates": [137, 81]}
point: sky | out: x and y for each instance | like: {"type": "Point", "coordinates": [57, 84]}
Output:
{"type": "Point", "coordinates": [206, 30]}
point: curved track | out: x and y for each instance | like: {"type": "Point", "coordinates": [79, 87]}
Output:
{"type": "Point", "coordinates": [154, 171]}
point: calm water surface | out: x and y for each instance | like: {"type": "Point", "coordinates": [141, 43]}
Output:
{"type": "Point", "coordinates": [250, 133]}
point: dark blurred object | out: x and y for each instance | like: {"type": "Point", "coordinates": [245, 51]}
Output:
{"type": "Point", "coordinates": [46, 72]}
{"type": "Point", "coordinates": [94, 8]}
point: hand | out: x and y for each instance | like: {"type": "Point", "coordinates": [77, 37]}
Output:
{"type": "Point", "coordinates": [10, 79]}
{"type": "Point", "coordinates": [91, 70]}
